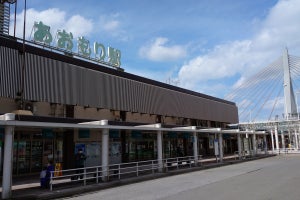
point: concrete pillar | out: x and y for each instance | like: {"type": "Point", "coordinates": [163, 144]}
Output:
{"type": "Point", "coordinates": [239, 145]}
{"type": "Point", "coordinates": [195, 147]}
{"type": "Point", "coordinates": [296, 139]}
{"type": "Point", "coordinates": [159, 151]}
{"type": "Point", "coordinates": [265, 144]}
{"type": "Point", "coordinates": [254, 144]}
{"type": "Point", "coordinates": [290, 139]}
{"type": "Point", "coordinates": [272, 140]}
{"type": "Point", "coordinates": [276, 139]}
{"type": "Point", "coordinates": [7, 162]}
{"type": "Point", "coordinates": [105, 151]}
{"type": "Point", "coordinates": [283, 140]}
{"type": "Point", "coordinates": [221, 147]}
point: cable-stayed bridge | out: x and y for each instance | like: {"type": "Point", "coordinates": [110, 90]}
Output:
{"type": "Point", "coordinates": [272, 93]}
{"type": "Point", "coordinates": [269, 101]}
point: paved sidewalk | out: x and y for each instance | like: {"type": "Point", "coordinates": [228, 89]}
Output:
{"type": "Point", "coordinates": [29, 187]}
{"type": "Point", "coordinates": [275, 178]}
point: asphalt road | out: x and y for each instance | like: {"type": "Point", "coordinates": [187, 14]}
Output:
{"type": "Point", "coordinates": [266, 179]}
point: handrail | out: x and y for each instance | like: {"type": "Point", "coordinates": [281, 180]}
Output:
{"type": "Point", "coordinates": [287, 150]}
{"type": "Point", "coordinates": [123, 169]}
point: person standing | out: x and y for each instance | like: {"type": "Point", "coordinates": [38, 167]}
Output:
{"type": "Point", "coordinates": [49, 173]}
{"type": "Point", "coordinates": [79, 163]}
{"type": "Point", "coordinates": [43, 178]}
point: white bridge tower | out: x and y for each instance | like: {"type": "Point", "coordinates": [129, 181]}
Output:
{"type": "Point", "coordinates": [290, 106]}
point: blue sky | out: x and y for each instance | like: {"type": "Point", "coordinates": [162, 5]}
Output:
{"type": "Point", "coordinates": [205, 46]}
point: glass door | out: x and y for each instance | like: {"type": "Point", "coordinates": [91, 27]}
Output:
{"type": "Point", "coordinates": [36, 156]}
{"type": "Point", "coordinates": [48, 151]}
{"type": "Point", "coordinates": [23, 157]}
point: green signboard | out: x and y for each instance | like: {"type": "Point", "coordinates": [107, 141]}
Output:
{"type": "Point", "coordinates": [136, 134]}
{"type": "Point", "coordinates": [84, 133]}
{"type": "Point", "coordinates": [172, 135]}
{"type": "Point", "coordinates": [48, 133]}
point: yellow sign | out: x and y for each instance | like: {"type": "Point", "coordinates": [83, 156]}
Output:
{"type": "Point", "coordinates": [58, 168]}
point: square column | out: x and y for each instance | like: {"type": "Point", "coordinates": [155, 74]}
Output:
{"type": "Point", "coordinates": [195, 147]}
{"type": "Point", "coordinates": [254, 144]}
{"type": "Point", "coordinates": [105, 151]}
{"type": "Point", "coordinates": [221, 147]}
{"type": "Point", "coordinates": [239, 140]}
{"type": "Point", "coordinates": [265, 144]}
{"type": "Point", "coordinates": [276, 139]}
{"type": "Point", "coordinates": [282, 140]}
{"type": "Point", "coordinates": [7, 162]}
{"type": "Point", "coordinates": [8, 156]}
{"type": "Point", "coordinates": [159, 151]}
{"type": "Point", "coordinates": [159, 138]}
{"type": "Point", "coordinates": [296, 139]}
{"type": "Point", "coordinates": [272, 140]}
{"type": "Point", "coordinates": [290, 138]}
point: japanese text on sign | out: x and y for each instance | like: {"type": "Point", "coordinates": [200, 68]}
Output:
{"type": "Point", "coordinates": [64, 41]}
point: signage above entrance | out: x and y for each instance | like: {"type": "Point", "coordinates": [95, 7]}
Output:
{"type": "Point", "coordinates": [64, 42]}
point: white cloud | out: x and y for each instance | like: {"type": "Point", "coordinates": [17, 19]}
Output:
{"type": "Point", "coordinates": [54, 18]}
{"type": "Point", "coordinates": [240, 82]}
{"type": "Point", "coordinates": [279, 29]}
{"type": "Point", "coordinates": [79, 26]}
{"type": "Point", "coordinates": [112, 25]}
{"type": "Point", "coordinates": [219, 63]}
{"type": "Point", "coordinates": [158, 50]}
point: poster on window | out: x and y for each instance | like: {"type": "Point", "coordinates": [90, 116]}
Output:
{"type": "Point", "coordinates": [80, 146]}
{"type": "Point", "coordinates": [93, 153]}
{"type": "Point", "coordinates": [115, 152]}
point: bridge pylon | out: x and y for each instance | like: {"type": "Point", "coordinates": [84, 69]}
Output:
{"type": "Point", "coordinates": [290, 107]}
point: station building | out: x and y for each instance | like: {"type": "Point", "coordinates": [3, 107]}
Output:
{"type": "Point", "coordinates": [44, 84]}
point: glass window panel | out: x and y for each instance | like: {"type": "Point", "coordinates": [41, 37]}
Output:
{"type": "Point", "coordinates": [36, 156]}
{"type": "Point", "coordinates": [23, 157]}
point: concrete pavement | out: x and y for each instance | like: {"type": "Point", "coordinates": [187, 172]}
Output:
{"type": "Point", "coordinates": [271, 178]}
{"type": "Point", "coordinates": [30, 187]}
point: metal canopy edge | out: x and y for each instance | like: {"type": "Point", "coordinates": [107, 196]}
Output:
{"type": "Point", "coordinates": [8, 119]}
